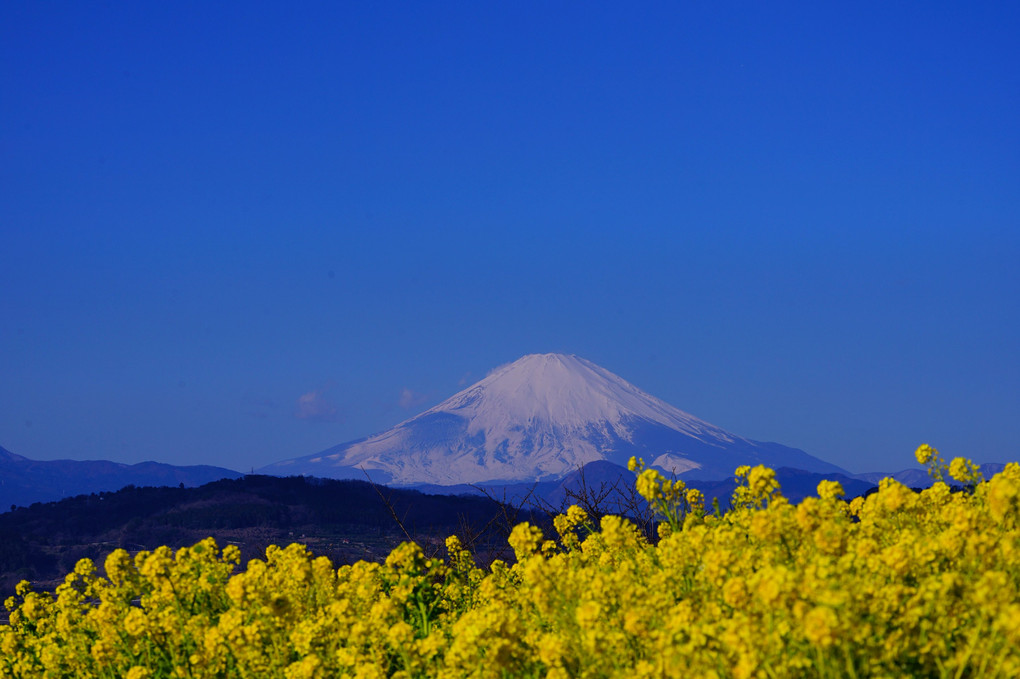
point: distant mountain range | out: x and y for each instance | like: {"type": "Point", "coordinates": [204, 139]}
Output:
{"type": "Point", "coordinates": [919, 478]}
{"type": "Point", "coordinates": [538, 426]}
{"type": "Point", "coordinates": [24, 481]}
{"type": "Point", "coordinates": [539, 419]}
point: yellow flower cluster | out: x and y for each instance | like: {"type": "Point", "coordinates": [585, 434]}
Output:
{"type": "Point", "coordinates": [671, 499]}
{"type": "Point", "coordinates": [899, 583]}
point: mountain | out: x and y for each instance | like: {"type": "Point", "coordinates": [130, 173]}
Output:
{"type": "Point", "coordinates": [919, 478]}
{"type": "Point", "coordinates": [538, 419]}
{"type": "Point", "coordinates": [8, 456]}
{"type": "Point", "coordinates": [24, 481]}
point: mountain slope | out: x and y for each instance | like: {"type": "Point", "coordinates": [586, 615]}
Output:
{"type": "Point", "coordinates": [540, 418]}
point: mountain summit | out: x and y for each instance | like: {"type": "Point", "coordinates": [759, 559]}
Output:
{"type": "Point", "coordinates": [540, 418]}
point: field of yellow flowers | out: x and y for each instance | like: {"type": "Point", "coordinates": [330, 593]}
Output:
{"type": "Point", "coordinates": [897, 584]}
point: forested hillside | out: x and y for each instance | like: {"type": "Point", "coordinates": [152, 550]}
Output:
{"type": "Point", "coordinates": [344, 520]}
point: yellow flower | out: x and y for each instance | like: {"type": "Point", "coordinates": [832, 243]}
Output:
{"type": "Point", "coordinates": [735, 592]}
{"type": "Point", "coordinates": [924, 453]}
{"type": "Point", "coordinates": [1003, 494]}
{"type": "Point", "coordinates": [135, 622]}
{"type": "Point", "coordinates": [587, 614]}
{"type": "Point", "coordinates": [965, 471]}
{"type": "Point", "coordinates": [103, 652]}
{"type": "Point", "coordinates": [525, 539]}
{"type": "Point", "coordinates": [649, 485]}
{"type": "Point", "coordinates": [830, 490]}
{"type": "Point", "coordinates": [820, 626]}
{"type": "Point", "coordinates": [309, 667]}
{"type": "Point", "coordinates": [576, 515]}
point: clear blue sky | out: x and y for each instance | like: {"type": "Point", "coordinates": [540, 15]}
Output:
{"type": "Point", "coordinates": [232, 233]}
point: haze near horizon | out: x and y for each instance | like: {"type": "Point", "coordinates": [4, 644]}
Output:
{"type": "Point", "coordinates": [232, 235]}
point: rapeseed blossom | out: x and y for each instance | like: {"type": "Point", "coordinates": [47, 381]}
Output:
{"type": "Point", "coordinates": [898, 583]}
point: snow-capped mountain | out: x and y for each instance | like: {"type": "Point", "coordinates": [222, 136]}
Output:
{"type": "Point", "coordinates": [540, 418]}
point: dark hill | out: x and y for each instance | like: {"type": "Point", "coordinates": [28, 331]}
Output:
{"type": "Point", "coordinates": [344, 520]}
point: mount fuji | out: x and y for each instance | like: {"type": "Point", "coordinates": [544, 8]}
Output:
{"type": "Point", "coordinates": [539, 419]}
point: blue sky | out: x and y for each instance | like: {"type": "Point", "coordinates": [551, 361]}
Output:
{"type": "Point", "coordinates": [242, 232]}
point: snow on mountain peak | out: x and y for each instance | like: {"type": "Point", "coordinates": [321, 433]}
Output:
{"type": "Point", "coordinates": [568, 392]}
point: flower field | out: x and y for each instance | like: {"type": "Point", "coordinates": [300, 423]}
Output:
{"type": "Point", "coordinates": [900, 583]}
